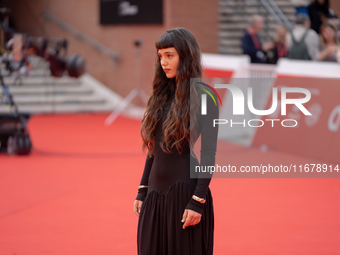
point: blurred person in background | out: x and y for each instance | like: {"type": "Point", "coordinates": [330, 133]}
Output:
{"type": "Point", "coordinates": [251, 43]}
{"type": "Point", "coordinates": [301, 6]}
{"type": "Point", "coordinates": [279, 49]}
{"type": "Point", "coordinates": [336, 24]}
{"type": "Point", "coordinates": [330, 47]}
{"type": "Point", "coordinates": [319, 11]}
{"type": "Point", "coordinates": [307, 41]}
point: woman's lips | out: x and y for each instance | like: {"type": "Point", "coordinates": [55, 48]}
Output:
{"type": "Point", "coordinates": [166, 70]}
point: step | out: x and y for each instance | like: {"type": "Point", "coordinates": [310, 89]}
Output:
{"type": "Point", "coordinates": [32, 72]}
{"type": "Point", "coordinates": [230, 43]}
{"type": "Point", "coordinates": [252, 10]}
{"type": "Point", "coordinates": [245, 19]}
{"type": "Point", "coordinates": [239, 3]}
{"type": "Point", "coordinates": [240, 26]}
{"type": "Point", "coordinates": [60, 108]}
{"type": "Point", "coordinates": [38, 81]}
{"type": "Point", "coordinates": [56, 99]}
{"type": "Point", "coordinates": [231, 51]}
{"type": "Point", "coordinates": [35, 72]}
{"type": "Point", "coordinates": [282, 3]}
{"type": "Point", "coordinates": [229, 34]}
{"type": "Point", "coordinates": [235, 40]}
{"type": "Point", "coordinates": [237, 35]}
{"type": "Point", "coordinates": [40, 72]}
{"type": "Point", "coordinates": [51, 90]}
{"type": "Point", "coordinates": [242, 3]}
{"type": "Point", "coordinates": [244, 11]}
{"type": "Point", "coordinates": [131, 110]}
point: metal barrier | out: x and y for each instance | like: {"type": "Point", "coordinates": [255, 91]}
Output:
{"type": "Point", "coordinates": [261, 78]}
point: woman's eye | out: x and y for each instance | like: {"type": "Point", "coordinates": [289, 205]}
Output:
{"type": "Point", "coordinates": [169, 56]}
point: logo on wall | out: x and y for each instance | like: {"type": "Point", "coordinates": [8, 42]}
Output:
{"type": "Point", "coordinates": [131, 12]}
{"type": "Point", "coordinates": [124, 9]}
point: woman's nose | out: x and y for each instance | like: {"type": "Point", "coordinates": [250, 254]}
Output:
{"type": "Point", "coordinates": [163, 62]}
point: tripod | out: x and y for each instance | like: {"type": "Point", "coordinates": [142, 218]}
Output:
{"type": "Point", "coordinates": [135, 92]}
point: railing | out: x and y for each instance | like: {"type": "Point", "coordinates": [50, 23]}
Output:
{"type": "Point", "coordinates": [96, 45]}
{"type": "Point", "coordinates": [276, 13]}
{"type": "Point", "coordinates": [280, 14]}
{"type": "Point", "coordinates": [261, 71]}
{"type": "Point", "coordinates": [261, 78]}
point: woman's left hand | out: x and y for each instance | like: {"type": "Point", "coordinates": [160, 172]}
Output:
{"type": "Point", "coordinates": [190, 217]}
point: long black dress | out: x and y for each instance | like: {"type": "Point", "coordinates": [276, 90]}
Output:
{"type": "Point", "coordinates": [170, 191]}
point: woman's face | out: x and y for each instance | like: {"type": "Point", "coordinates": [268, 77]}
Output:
{"type": "Point", "coordinates": [328, 34]}
{"type": "Point", "coordinates": [169, 60]}
{"type": "Point", "coordinates": [281, 31]}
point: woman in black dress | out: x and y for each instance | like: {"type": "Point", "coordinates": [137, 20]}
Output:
{"type": "Point", "coordinates": [175, 211]}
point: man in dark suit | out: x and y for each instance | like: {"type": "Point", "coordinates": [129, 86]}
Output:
{"type": "Point", "coordinates": [251, 43]}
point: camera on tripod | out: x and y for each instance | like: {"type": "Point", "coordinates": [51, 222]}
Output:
{"type": "Point", "coordinates": [52, 50]}
{"type": "Point", "coordinates": [15, 53]}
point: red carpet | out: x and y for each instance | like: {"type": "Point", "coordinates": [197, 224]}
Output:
{"type": "Point", "coordinates": [74, 195]}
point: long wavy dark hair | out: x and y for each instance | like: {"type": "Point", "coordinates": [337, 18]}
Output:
{"type": "Point", "coordinates": [182, 117]}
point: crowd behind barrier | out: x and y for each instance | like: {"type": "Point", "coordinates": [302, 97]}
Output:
{"type": "Point", "coordinates": [315, 36]}
{"type": "Point", "coordinates": [315, 136]}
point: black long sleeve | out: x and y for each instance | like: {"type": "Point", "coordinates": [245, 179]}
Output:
{"type": "Point", "coordinates": [209, 135]}
{"type": "Point", "coordinates": [164, 169]}
{"type": "Point", "coordinates": [145, 177]}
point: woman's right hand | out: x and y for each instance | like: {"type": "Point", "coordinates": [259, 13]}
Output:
{"type": "Point", "coordinates": [136, 206]}
{"type": "Point", "coordinates": [332, 49]}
